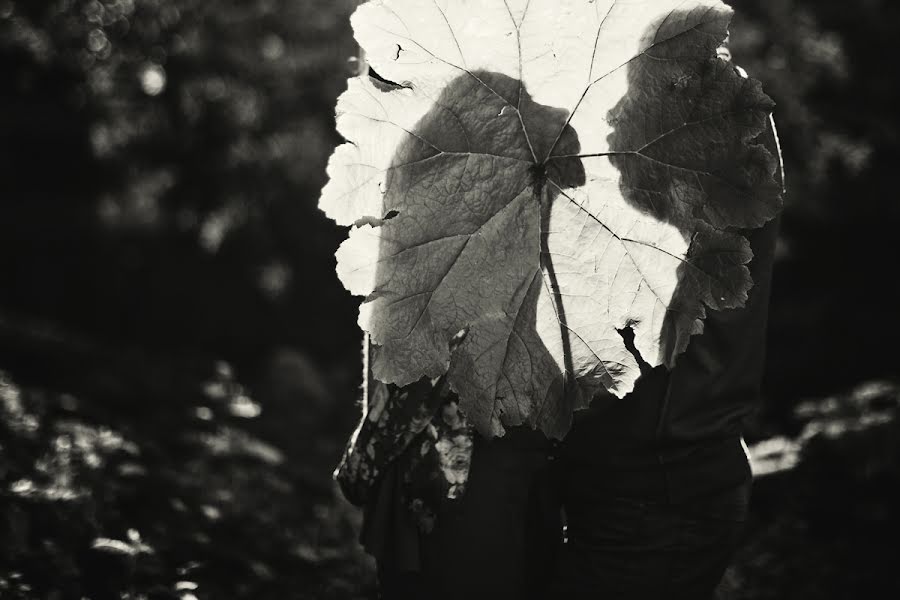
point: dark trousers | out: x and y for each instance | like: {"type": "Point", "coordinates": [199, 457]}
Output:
{"type": "Point", "coordinates": [500, 540]}
{"type": "Point", "coordinates": [634, 549]}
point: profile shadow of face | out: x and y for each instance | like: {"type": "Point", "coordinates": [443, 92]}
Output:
{"type": "Point", "coordinates": [675, 171]}
{"type": "Point", "coordinates": [464, 203]}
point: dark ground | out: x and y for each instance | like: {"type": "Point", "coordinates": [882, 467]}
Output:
{"type": "Point", "coordinates": [179, 364]}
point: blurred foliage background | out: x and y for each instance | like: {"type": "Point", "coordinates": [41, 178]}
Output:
{"type": "Point", "coordinates": [179, 364]}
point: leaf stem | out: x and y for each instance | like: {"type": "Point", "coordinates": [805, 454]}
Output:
{"type": "Point", "coordinates": [550, 280]}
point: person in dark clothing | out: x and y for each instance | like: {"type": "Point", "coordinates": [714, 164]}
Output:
{"type": "Point", "coordinates": [656, 485]}
{"type": "Point", "coordinates": [448, 514]}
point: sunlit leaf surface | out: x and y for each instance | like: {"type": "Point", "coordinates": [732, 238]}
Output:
{"type": "Point", "coordinates": [544, 174]}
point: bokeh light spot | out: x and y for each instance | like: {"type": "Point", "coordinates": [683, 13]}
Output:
{"type": "Point", "coordinates": [97, 41]}
{"type": "Point", "coordinates": [153, 79]}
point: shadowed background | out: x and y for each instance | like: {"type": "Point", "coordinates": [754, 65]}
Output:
{"type": "Point", "coordinates": [179, 363]}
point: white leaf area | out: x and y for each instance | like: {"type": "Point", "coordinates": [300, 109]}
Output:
{"type": "Point", "coordinates": [545, 174]}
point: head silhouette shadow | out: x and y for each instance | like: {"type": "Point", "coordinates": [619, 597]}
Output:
{"type": "Point", "coordinates": [467, 164]}
{"type": "Point", "coordinates": [662, 168]}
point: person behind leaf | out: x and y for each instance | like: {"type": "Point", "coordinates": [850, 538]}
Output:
{"type": "Point", "coordinates": [656, 485]}
{"type": "Point", "coordinates": [447, 513]}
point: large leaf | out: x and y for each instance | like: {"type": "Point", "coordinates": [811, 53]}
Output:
{"type": "Point", "coordinates": [543, 175]}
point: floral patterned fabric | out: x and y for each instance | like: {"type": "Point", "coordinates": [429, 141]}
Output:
{"type": "Point", "coordinates": [422, 424]}
{"type": "Point", "coordinates": [439, 463]}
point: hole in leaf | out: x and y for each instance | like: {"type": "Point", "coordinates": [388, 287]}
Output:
{"type": "Point", "coordinates": [458, 338]}
{"type": "Point", "coordinates": [391, 85]}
